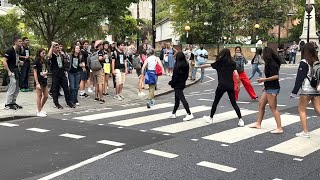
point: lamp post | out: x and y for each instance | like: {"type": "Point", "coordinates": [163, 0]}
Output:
{"type": "Point", "coordinates": [279, 24]}
{"type": "Point", "coordinates": [256, 27]}
{"type": "Point", "coordinates": [309, 8]}
{"type": "Point", "coordinates": [154, 23]}
{"type": "Point", "coordinates": [187, 29]}
{"type": "Point", "coordinates": [138, 23]}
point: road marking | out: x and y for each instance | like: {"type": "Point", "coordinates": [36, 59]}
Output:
{"type": "Point", "coordinates": [259, 152]}
{"type": "Point", "coordinates": [299, 146]}
{"type": "Point", "coordinates": [242, 133]}
{"type": "Point", "coordinates": [142, 130]}
{"type": "Point", "coordinates": [211, 79]}
{"type": "Point", "coordinates": [83, 163]}
{"type": "Point", "coordinates": [197, 92]}
{"type": "Point", "coordinates": [73, 136]}
{"type": "Point", "coordinates": [208, 90]}
{"type": "Point", "coordinates": [216, 166]}
{"type": "Point", "coordinates": [297, 159]}
{"type": "Point", "coordinates": [156, 117]}
{"type": "Point", "coordinates": [38, 130]}
{"type": "Point", "coordinates": [9, 124]}
{"type": "Point", "coordinates": [187, 125]}
{"type": "Point", "coordinates": [100, 124]}
{"type": "Point", "coordinates": [161, 153]}
{"type": "Point", "coordinates": [111, 143]}
{"type": "Point", "coordinates": [242, 102]}
{"type": "Point", "coordinates": [64, 119]}
{"type": "Point", "coordinates": [277, 179]}
{"type": "Point", "coordinates": [224, 145]}
{"type": "Point", "coordinates": [121, 112]}
{"type": "Point", "coordinates": [166, 134]}
{"type": "Point", "coordinates": [205, 100]}
{"type": "Point", "coordinates": [279, 105]}
{"type": "Point", "coordinates": [195, 140]}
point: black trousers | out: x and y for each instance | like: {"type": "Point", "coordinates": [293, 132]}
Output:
{"type": "Point", "coordinates": [24, 75]}
{"type": "Point", "coordinates": [57, 81]}
{"type": "Point", "coordinates": [219, 93]}
{"type": "Point", "coordinates": [179, 96]}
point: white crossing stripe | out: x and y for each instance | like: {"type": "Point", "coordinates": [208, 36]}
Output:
{"type": "Point", "coordinates": [38, 130]}
{"type": "Point", "coordinates": [299, 146]}
{"type": "Point", "coordinates": [216, 166]}
{"type": "Point", "coordinates": [156, 117]}
{"type": "Point", "coordinates": [121, 112]}
{"type": "Point", "coordinates": [8, 124]}
{"type": "Point", "coordinates": [111, 143]}
{"type": "Point", "coordinates": [187, 125]}
{"type": "Point", "coordinates": [161, 153]}
{"type": "Point", "coordinates": [240, 133]}
{"type": "Point", "coordinates": [74, 136]}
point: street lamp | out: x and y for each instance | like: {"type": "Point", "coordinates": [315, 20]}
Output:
{"type": "Point", "coordinates": [256, 26]}
{"type": "Point", "coordinates": [187, 29]}
{"type": "Point", "coordinates": [309, 8]}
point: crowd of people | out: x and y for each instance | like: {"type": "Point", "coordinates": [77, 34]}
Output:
{"type": "Point", "coordinates": [95, 63]}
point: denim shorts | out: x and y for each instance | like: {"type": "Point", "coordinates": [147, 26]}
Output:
{"type": "Point", "coordinates": [272, 91]}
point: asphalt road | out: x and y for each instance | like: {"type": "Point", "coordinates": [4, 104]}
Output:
{"type": "Point", "coordinates": [129, 141]}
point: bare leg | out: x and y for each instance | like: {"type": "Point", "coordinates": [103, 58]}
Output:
{"type": "Point", "coordinates": [262, 106]}
{"type": "Point", "coordinates": [38, 99]}
{"type": "Point", "coordinates": [44, 96]}
{"type": "Point", "coordinates": [316, 104]}
{"type": "Point", "coordinates": [272, 100]}
{"type": "Point", "coordinates": [302, 108]}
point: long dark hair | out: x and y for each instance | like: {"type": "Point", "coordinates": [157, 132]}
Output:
{"type": "Point", "coordinates": [38, 57]}
{"type": "Point", "coordinates": [224, 55]}
{"type": "Point", "coordinates": [270, 56]}
{"type": "Point", "coordinates": [181, 62]}
{"type": "Point", "coordinates": [309, 53]}
{"type": "Point", "coordinates": [258, 52]}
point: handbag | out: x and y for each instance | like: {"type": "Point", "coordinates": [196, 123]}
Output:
{"type": "Point", "coordinates": [158, 70]}
{"type": "Point", "coordinates": [150, 77]}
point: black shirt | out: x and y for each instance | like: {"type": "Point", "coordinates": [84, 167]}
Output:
{"type": "Point", "coordinates": [101, 54]}
{"type": "Point", "coordinates": [85, 55]}
{"type": "Point", "coordinates": [41, 67]}
{"type": "Point", "coordinates": [271, 70]}
{"type": "Point", "coordinates": [24, 52]}
{"type": "Point", "coordinates": [12, 58]}
{"type": "Point", "coordinates": [57, 64]}
{"type": "Point", "coordinates": [120, 59]}
{"type": "Point", "coordinates": [75, 63]}
{"type": "Point", "coordinates": [225, 73]}
{"type": "Point", "coordinates": [179, 77]}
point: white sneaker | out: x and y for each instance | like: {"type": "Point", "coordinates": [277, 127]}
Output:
{"type": "Point", "coordinates": [117, 97]}
{"type": "Point", "coordinates": [303, 134]}
{"type": "Point", "coordinates": [188, 117]}
{"type": "Point", "coordinates": [43, 112]}
{"type": "Point", "coordinates": [141, 94]}
{"type": "Point", "coordinates": [39, 114]}
{"type": "Point", "coordinates": [208, 119]}
{"type": "Point", "coordinates": [121, 96]}
{"type": "Point", "coordinates": [172, 116]}
{"type": "Point", "coordinates": [77, 104]}
{"type": "Point", "coordinates": [90, 90]}
{"type": "Point", "coordinates": [241, 123]}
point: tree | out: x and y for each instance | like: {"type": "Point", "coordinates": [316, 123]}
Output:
{"type": "Point", "coordinates": [67, 19]}
{"type": "Point", "coordinates": [126, 27]}
{"type": "Point", "coordinates": [8, 29]}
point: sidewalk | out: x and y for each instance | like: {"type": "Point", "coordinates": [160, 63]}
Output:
{"type": "Point", "coordinates": [27, 99]}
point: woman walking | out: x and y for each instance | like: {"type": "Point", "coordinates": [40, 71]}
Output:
{"type": "Point", "coordinates": [271, 89]}
{"type": "Point", "coordinates": [168, 57]}
{"type": "Point", "coordinates": [240, 61]}
{"type": "Point", "coordinates": [308, 93]}
{"type": "Point", "coordinates": [106, 67]}
{"type": "Point", "coordinates": [256, 61]}
{"type": "Point", "coordinates": [150, 63]}
{"type": "Point", "coordinates": [40, 73]}
{"type": "Point", "coordinates": [74, 74]}
{"type": "Point", "coordinates": [225, 67]}
{"type": "Point", "coordinates": [178, 82]}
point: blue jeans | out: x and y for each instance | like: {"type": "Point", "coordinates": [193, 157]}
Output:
{"type": "Point", "coordinates": [195, 69]}
{"type": "Point", "coordinates": [74, 80]}
{"type": "Point", "coordinates": [255, 69]}
{"type": "Point", "coordinates": [292, 57]}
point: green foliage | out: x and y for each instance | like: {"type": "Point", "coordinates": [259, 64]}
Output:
{"type": "Point", "coordinates": [67, 20]}
{"type": "Point", "coordinates": [8, 29]}
{"type": "Point", "coordinates": [162, 9]}
{"type": "Point", "coordinates": [125, 27]}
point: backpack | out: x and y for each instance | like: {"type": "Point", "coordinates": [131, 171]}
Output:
{"type": "Point", "coordinates": [94, 63]}
{"type": "Point", "coordinates": [136, 62]}
{"type": "Point", "coordinates": [240, 61]}
{"type": "Point", "coordinates": [315, 76]}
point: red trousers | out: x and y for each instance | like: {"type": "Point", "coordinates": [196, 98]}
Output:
{"type": "Point", "coordinates": [246, 83]}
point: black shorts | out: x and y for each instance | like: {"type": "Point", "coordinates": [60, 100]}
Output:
{"type": "Point", "coordinates": [84, 75]}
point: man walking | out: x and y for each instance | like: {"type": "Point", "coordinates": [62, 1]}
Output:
{"type": "Point", "coordinates": [201, 56]}
{"type": "Point", "coordinates": [25, 56]}
{"type": "Point", "coordinates": [11, 62]}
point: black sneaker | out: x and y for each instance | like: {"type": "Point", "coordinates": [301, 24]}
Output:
{"type": "Point", "coordinates": [86, 95]}
{"type": "Point", "coordinates": [82, 96]}
{"type": "Point", "coordinates": [57, 105]}
{"type": "Point", "coordinates": [10, 106]}
{"type": "Point", "coordinates": [71, 105]}
{"type": "Point", "coordinates": [96, 99]}
{"type": "Point", "coordinates": [17, 106]}
{"type": "Point", "coordinates": [101, 101]}
{"type": "Point", "coordinates": [148, 105]}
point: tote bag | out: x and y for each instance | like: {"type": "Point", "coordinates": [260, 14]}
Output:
{"type": "Point", "coordinates": [150, 77]}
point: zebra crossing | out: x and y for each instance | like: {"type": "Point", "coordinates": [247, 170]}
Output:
{"type": "Point", "coordinates": [143, 122]}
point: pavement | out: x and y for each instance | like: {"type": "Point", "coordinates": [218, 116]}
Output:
{"type": "Point", "coordinates": [27, 99]}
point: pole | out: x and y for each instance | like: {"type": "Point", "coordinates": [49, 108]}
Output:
{"type": "Point", "coordinates": [138, 24]}
{"type": "Point", "coordinates": [279, 31]}
{"type": "Point", "coordinates": [154, 23]}
{"type": "Point", "coordinates": [308, 30]}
